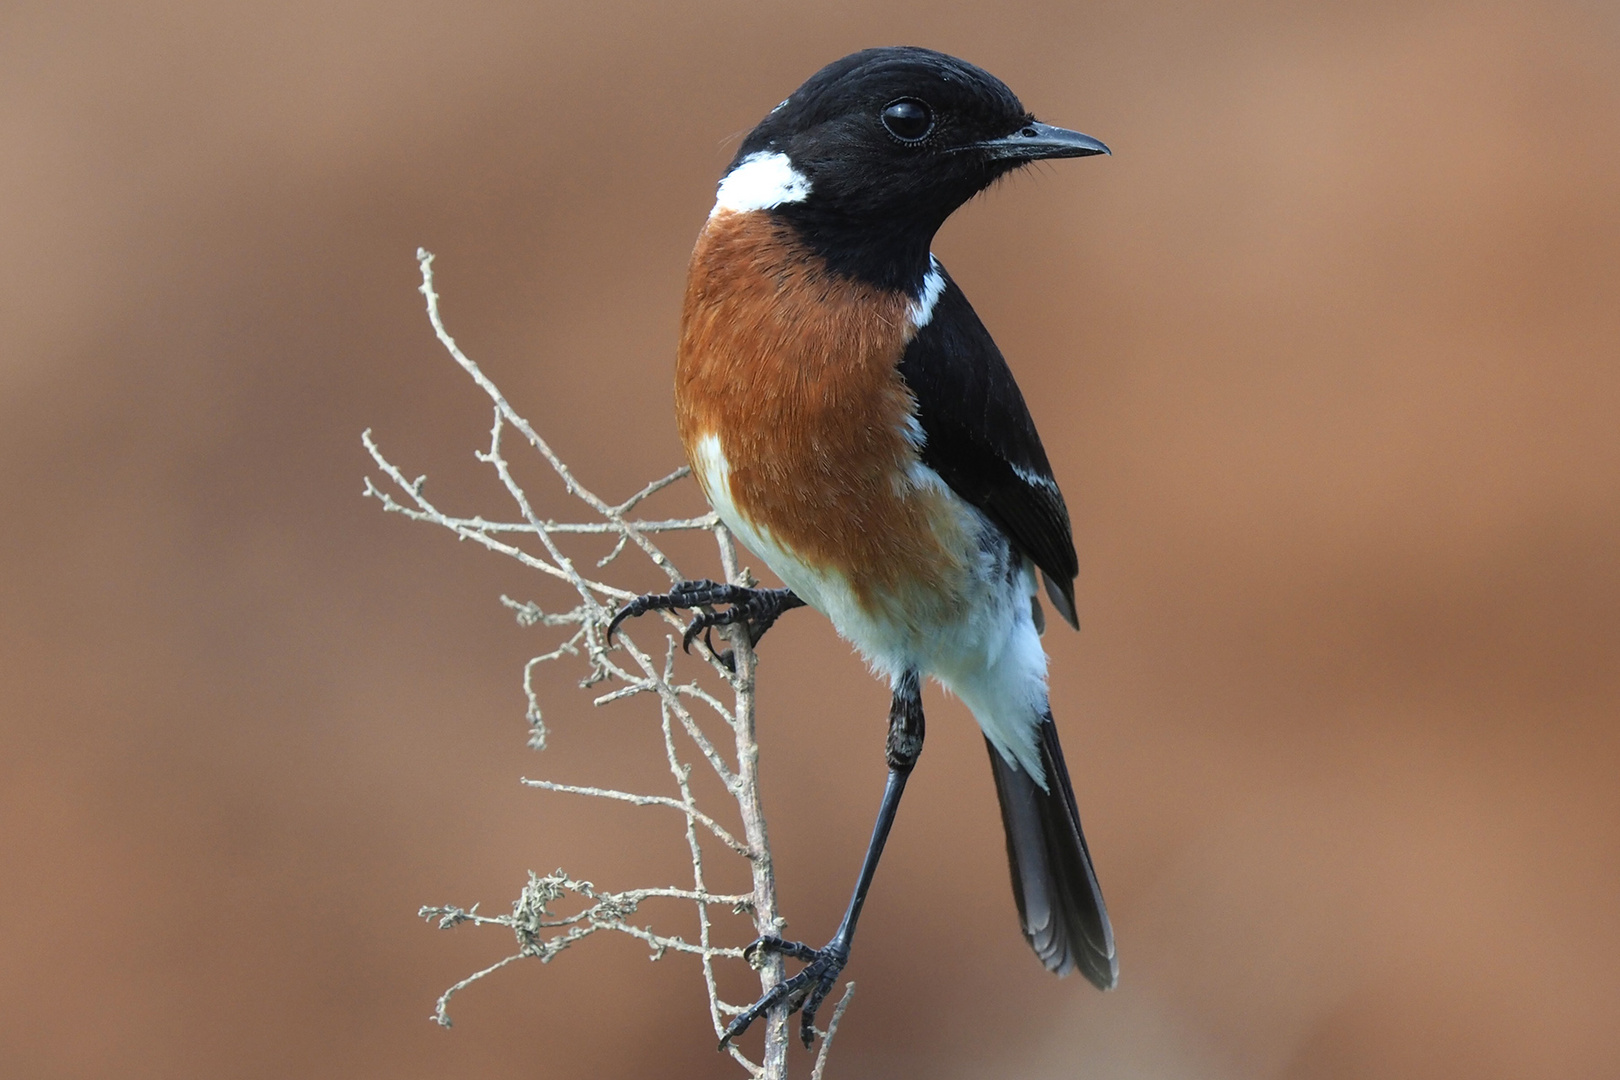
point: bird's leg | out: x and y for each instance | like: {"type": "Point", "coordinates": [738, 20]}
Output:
{"type": "Point", "coordinates": [756, 609]}
{"type": "Point", "coordinates": [810, 987]}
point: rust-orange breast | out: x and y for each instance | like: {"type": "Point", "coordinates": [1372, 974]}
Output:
{"type": "Point", "coordinates": [795, 369]}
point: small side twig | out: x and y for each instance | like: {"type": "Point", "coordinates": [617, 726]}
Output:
{"type": "Point", "coordinates": [832, 1029]}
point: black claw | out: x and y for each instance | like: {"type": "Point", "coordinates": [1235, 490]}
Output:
{"type": "Point", "coordinates": [624, 613]}
{"type": "Point", "coordinates": [699, 624]}
{"type": "Point", "coordinates": [771, 943]}
{"type": "Point", "coordinates": [807, 1016]}
{"type": "Point", "coordinates": [806, 990]}
{"type": "Point", "coordinates": [756, 609]}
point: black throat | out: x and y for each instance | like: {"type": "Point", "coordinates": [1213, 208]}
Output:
{"type": "Point", "coordinates": [891, 254]}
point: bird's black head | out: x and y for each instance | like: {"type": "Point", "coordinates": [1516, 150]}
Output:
{"type": "Point", "coordinates": [870, 156]}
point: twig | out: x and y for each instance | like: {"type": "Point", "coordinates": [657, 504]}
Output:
{"type": "Point", "coordinates": [685, 807]}
{"type": "Point", "coordinates": [832, 1029]}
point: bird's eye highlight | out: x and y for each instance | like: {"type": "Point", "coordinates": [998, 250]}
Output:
{"type": "Point", "coordinates": [908, 119]}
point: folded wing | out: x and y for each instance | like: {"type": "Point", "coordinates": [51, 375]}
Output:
{"type": "Point", "coordinates": [979, 437]}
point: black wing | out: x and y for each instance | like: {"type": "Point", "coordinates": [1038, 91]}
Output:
{"type": "Point", "coordinates": [978, 436]}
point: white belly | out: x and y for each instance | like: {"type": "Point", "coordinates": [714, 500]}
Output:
{"type": "Point", "coordinates": [980, 642]}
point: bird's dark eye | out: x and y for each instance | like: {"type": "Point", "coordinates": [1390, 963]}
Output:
{"type": "Point", "coordinates": [908, 119]}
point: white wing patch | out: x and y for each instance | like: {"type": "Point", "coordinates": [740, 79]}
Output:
{"type": "Point", "coordinates": [763, 179]}
{"type": "Point", "coordinates": [1034, 479]}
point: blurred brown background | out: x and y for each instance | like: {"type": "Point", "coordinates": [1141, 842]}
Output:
{"type": "Point", "coordinates": [1327, 358]}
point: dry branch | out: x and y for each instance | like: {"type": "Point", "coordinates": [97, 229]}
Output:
{"type": "Point", "coordinates": [688, 715]}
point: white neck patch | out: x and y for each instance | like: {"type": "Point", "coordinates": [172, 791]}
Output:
{"type": "Point", "coordinates": [933, 286]}
{"type": "Point", "coordinates": [763, 179]}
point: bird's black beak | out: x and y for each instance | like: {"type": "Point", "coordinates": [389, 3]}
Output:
{"type": "Point", "coordinates": [1036, 141]}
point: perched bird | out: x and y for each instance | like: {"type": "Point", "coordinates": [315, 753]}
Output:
{"type": "Point", "coordinates": [852, 422]}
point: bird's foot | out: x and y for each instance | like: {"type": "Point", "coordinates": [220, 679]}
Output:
{"type": "Point", "coordinates": [803, 993]}
{"type": "Point", "coordinates": [756, 609]}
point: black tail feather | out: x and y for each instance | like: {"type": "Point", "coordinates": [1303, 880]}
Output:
{"type": "Point", "coordinates": [1059, 902]}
